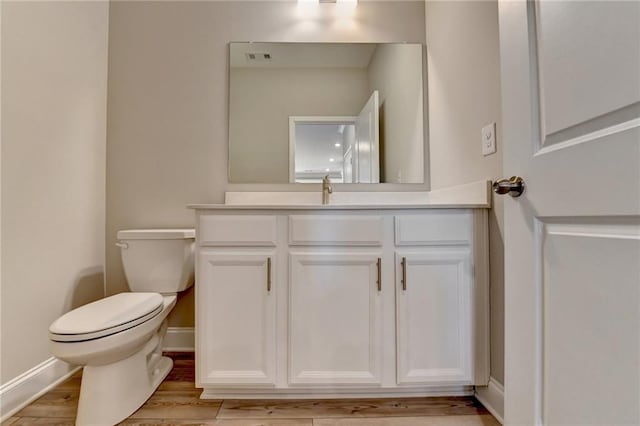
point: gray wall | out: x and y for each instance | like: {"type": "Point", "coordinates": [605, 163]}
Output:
{"type": "Point", "coordinates": [54, 100]}
{"type": "Point", "coordinates": [396, 72]}
{"type": "Point", "coordinates": [167, 122]}
{"type": "Point", "coordinates": [464, 95]}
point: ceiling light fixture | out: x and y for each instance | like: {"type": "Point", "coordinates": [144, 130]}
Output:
{"type": "Point", "coordinates": [350, 3]}
{"type": "Point", "coordinates": [342, 10]}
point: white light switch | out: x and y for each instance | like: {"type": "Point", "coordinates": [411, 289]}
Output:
{"type": "Point", "coordinates": [489, 139]}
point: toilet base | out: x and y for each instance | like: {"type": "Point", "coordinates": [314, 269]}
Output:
{"type": "Point", "coordinates": [111, 393]}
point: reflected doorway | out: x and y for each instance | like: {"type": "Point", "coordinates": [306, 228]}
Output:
{"type": "Point", "coordinates": [321, 146]}
{"type": "Point", "coordinates": [344, 148]}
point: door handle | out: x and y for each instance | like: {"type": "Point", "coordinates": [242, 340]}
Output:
{"type": "Point", "coordinates": [268, 274]}
{"type": "Point", "coordinates": [513, 186]}
{"type": "Point", "coordinates": [404, 273]}
{"type": "Point", "coordinates": [379, 282]}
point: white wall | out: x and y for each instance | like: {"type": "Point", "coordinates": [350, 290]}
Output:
{"type": "Point", "coordinates": [464, 95]}
{"type": "Point", "coordinates": [168, 100]}
{"type": "Point", "coordinates": [54, 92]}
{"type": "Point", "coordinates": [396, 72]}
{"type": "Point", "coordinates": [262, 101]}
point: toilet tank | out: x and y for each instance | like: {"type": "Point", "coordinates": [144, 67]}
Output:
{"type": "Point", "coordinates": [158, 260]}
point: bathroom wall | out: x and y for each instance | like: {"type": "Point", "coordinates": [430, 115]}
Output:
{"type": "Point", "coordinates": [266, 98]}
{"type": "Point", "coordinates": [167, 118]}
{"type": "Point", "coordinates": [54, 99]}
{"type": "Point", "coordinates": [395, 71]}
{"type": "Point", "coordinates": [464, 95]}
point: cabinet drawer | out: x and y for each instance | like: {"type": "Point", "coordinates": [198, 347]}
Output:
{"type": "Point", "coordinates": [237, 230]}
{"type": "Point", "coordinates": [335, 230]}
{"type": "Point", "coordinates": [434, 228]}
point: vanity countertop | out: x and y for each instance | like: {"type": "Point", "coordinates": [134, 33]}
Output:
{"type": "Point", "coordinates": [332, 206]}
{"type": "Point", "coordinates": [476, 195]}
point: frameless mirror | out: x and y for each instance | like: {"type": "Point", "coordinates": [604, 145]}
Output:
{"type": "Point", "coordinates": [300, 111]}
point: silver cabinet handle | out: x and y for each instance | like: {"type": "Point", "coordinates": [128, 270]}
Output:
{"type": "Point", "coordinates": [268, 274]}
{"type": "Point", "coordinates": [379, 282]}
{"type": "Point", "coordinates": [513, 186]}
{"type": "Point", "coordinates": [404, 273]}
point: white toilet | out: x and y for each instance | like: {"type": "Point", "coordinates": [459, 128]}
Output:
{"type": "Point", "coordinates": [118, 339]}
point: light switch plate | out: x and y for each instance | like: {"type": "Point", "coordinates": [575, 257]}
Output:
{"type": "Point", "coordinates": [489, 139]}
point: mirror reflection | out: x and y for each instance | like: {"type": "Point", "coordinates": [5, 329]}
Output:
{"type": "Point", "coordinates": [300, 111]}
{"type": "Point", "coordinates": [321, 146]}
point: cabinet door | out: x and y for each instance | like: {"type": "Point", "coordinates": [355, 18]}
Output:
{"type": "Point", "coordinates": [434, 316]}
{"type": "Point", "coordinates": [334, 318]}
{"type": "Point", "coordinates": [236, 317]}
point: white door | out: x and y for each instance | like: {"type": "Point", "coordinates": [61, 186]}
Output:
{"type": "Point", "coordinates": [236, 318]}
{"type": "Point", "coordinates": [433, 296]}
{"type": "Point", "coordinates": [335, 329]}
{"type": "Point", "coordinates": [347, 166]}
{"type": "Point", "coordinates": [571, 91]}
{"type": "Point", "coordinates": [367, 141]}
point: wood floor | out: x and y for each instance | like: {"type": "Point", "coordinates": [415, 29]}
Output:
{"type": "Point", "coordinates": [176, 402]}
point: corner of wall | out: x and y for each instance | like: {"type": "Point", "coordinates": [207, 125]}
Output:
{"type": "Point", "coordinates": [492, 397]}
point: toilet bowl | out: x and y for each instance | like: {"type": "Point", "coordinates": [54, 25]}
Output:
{"type": "Point", "coordinates": [118, 339]}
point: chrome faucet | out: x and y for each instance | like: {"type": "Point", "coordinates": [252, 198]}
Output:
{"type": "Point", "coordinates": [326, 189]}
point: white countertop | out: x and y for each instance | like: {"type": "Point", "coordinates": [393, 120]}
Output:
{"type": "Point", "coordinates": [476, 195]}
{"type": "Point", "coordinates": [332, 206]}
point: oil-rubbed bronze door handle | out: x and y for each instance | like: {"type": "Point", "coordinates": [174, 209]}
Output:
{"type": "Point", "coordinates": [513, 186]}
{"type": "Point", "coordinates": [404, 273]}
{"type": "Point", "coordinates": [379, 282]}
{"type": "Point", "coordinates": [268, 274]}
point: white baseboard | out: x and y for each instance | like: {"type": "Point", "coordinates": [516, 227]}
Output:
{"type": "Point", "coordinates": [492, 397]}
{"type": "Point", "coordinates": [30, 385]}
{"type": "Point", "coordinates": [179, 339]}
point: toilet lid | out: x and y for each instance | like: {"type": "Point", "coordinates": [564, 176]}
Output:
{"type": "Point", "coordinates": [106, 316]}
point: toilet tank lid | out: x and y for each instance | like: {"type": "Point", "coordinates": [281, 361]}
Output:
{"type": "Point", "coordinates": [156, 234]}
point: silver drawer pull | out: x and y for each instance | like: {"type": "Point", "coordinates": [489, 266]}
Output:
{"type": "Point", "coordinates": [404, 273]}
{"type": "Point", "coordinates": [268, 274]}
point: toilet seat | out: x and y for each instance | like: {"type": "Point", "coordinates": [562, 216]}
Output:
{"type": "Point", "coordinates": [105, 317]}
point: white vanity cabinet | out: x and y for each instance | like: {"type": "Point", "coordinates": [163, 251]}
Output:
{"type": "Point", "coordinates": [237, 328]}
{"type": "Point", "coordinates": [335, 299]}
{"type": "Point", "coordinates": [236, 265]}
{"type": "Point", "coordinates": [335, 318]}
{"type": "Point", "coordinates": [341, 301]}
{"type": "Point", "coordinates": [434, 316]}
{"type": "Point", "coordinates": [434, 294]}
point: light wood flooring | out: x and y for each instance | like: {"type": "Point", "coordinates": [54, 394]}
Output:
{"type": "Point", "coordinates": [176, 402]}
